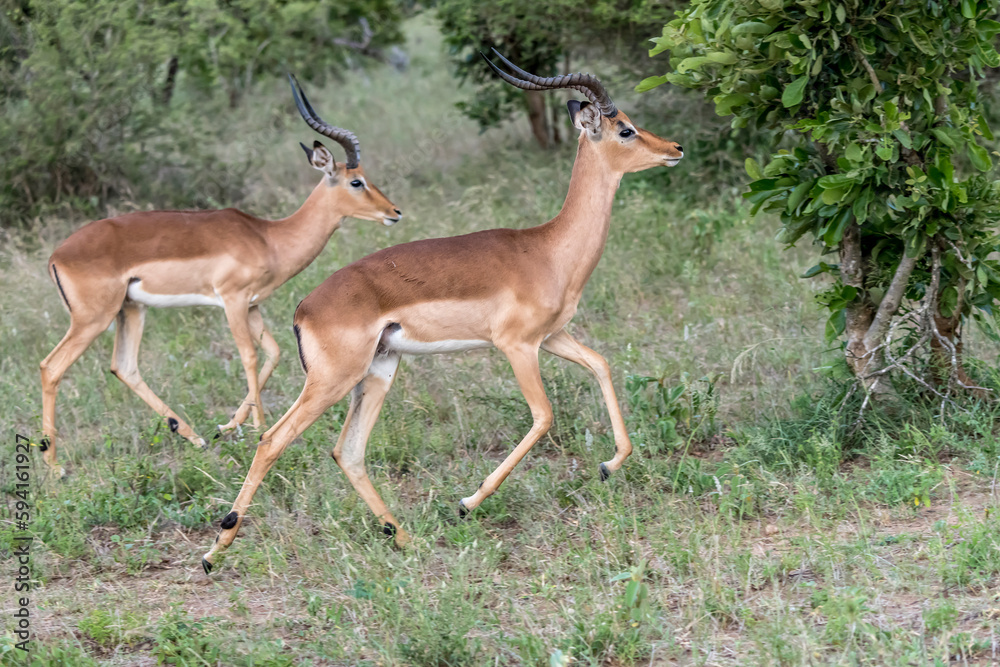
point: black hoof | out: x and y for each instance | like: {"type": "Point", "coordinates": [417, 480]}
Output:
{"type": "Point", "coordinates": [463, 511]}
{"type": "Point", "coordinates": [206, 566]}
{"type": "Point", "coordinates": [605, 473]}
{"type": "Point", "coordinates": [216, 436]}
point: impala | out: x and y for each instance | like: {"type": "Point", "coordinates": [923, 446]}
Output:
{"type": "Point", "coordinates": [116, 268]}
{"type": "Point", "coordinates": [513, 289]}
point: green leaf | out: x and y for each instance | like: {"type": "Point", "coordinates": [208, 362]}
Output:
{"type": "Point", "coordinates": [794, 92]}
{"type": "Point", "coordinates": [726, 58]}
{"type": "Point", "coordinates": [817, 66]}
{"type": "Point", "coordinates": [984, 127]}
{"type": "Point", "coordinates": [969, 9]}
{"type": "Point", "coordinates": [903, 137]}
{"type": "Point", "coordinates": [768, 93]}
{"type": "Point", "coordinates": [980, 157]}
{"type": "Point", "coordinates": [789, 234]}
{"type": "Point", "coordinates": [691, 63]}
{"type": "Point", "coordinates": [835, 325]}
{"type": "Point", "coordinates": [822, 267]}
{"type": "Point", "coordinates": [853, 152]}
{"type": "Point", "coordinates": [650, 82]}
{"type": "Point", "coordinates": [837, 227]}
{"type": "Point", "coordinates": [724, 103]}
{"type": "Point", "coordinates": [946, 136]}
{"type": "Point", "coordinates": [835, 195]}
{"type": "Point", "coordinates": [948, 301]}
{"type": "Point", "coordinates": [753, 169]}
{"type": "Point", "coordinates": [860, 207]}
{"type": "Point", "coordinates": [841, 13]}
{"type": "Point", "coordinates": [752, 28]}
{"type": "Point", "coordinates": [921, 40]}
{"type": "Point", "coordinates": [834, 181]}
{"type": "Point", "coordinates": [631, 592]}
{"type": "Point", "coordinates": [798, 194]}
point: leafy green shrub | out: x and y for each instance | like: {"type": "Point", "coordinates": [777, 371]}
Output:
{"type": "Point", "coordinates": [664, 414]}
{"type": "Point", "coordinates": [881, 115]}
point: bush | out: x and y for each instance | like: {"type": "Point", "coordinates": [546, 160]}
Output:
{"type": "Point", "coordinates": [89, 112]}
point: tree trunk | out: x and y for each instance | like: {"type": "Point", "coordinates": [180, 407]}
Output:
{"type": "Point", "coordinates": [943, 356]}
{"type": "Point", "coordinates": [536, 115]}
{"type": "Point", "coordinates": [556, 120]}
{"type": "Point", "coordinates": [867, 327]}
{"type": "Point", "coordinates": [861, 313]}
{"type": "Point", "coordinates": [168, 85]}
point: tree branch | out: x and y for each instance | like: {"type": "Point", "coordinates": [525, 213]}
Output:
{"type": "Point", "coordinates": [864, 62]}
{"type": "Point", "coordinates": [890, 302]}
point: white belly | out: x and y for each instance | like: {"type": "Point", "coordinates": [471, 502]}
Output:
{"type": "Point", "coordinates": [137, 294]}
{"type": "Point", "coordinates": [397, 341]}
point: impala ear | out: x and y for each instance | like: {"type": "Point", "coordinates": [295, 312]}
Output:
{"type": "Point", "coordinates": [585, 117]}
{"type": "Point", "coordinates": [320, 158]}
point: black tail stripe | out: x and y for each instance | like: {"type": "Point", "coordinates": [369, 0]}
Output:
{"type": "Point", "coordinates": [298, 340]}
{"type": "Point", "coordinates": [55, 274]}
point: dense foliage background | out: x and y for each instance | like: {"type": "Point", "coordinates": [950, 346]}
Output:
{"type": "Point", "coordinates": [110, 99]}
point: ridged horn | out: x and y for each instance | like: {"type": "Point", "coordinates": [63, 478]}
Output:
{"type": "Point", "coordinates": [587, 84]}
{"type": "Point", "coordinates": [343, 137]}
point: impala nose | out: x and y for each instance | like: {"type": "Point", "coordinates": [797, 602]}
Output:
{"type": "Point", "coordinates": [398, 212]}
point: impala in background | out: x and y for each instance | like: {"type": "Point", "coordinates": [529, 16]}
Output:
{"type": "Point", "coordinates": [513, 289]}
{"type": "Point", "coordinates": [120, 266]}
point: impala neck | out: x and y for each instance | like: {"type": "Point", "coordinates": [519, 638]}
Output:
{"type": "Point", "coordinates": [298, 239]}
{"type": "Point", "coordinates": [580, 229]}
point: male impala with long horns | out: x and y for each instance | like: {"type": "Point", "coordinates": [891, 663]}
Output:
{"type": "Point", "coordinates": [116, 268]}
{"type": "Point", "coordinates": [513, 289]}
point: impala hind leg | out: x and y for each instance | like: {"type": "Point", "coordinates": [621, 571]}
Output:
{"type": "Point", "coordinates": [53, 367]}
{"type": "Point", "coordinates": [367, 398]}
{"type": "Point", "coordinates": [125, 367]}
{"type": "Point", "coordinates": [524, 362]}
{"type": "Point", "coordinates": [564, 345]}
{"type": "Point", "coordinates": [238, 315]}
{"type": "Point", "coordinates": [311, 403]}
{"type": "Point", "coordinates": [260, 334]}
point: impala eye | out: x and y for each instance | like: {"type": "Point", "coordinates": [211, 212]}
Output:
{"type": "Point", "coordinates": [356, 183]}
{"type": "Point", "coordinates": [626, 133]}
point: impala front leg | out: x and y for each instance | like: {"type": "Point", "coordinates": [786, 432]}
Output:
{"type": "Point", "coordinates": [238, 316]}
{"type": "Point", "coordinates": [524, 362]}
{"type": "Point", "coordinates": [260, 334]}
{"type": "Point", "coordinates": [563, 345]}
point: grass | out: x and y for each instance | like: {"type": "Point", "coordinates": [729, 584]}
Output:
{"type": "Point", "coordinates": [748, 528]}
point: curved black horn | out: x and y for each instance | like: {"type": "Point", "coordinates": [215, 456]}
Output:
{"type": "Point", "coordinates": [343, 137]}
{"type": "Point", "coordinates": [587, 84]}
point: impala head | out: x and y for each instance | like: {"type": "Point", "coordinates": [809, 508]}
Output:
{"type": "Point", "coordinates": [624, 146]}
{"type": "Point", "coordinates": [346, 181]}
